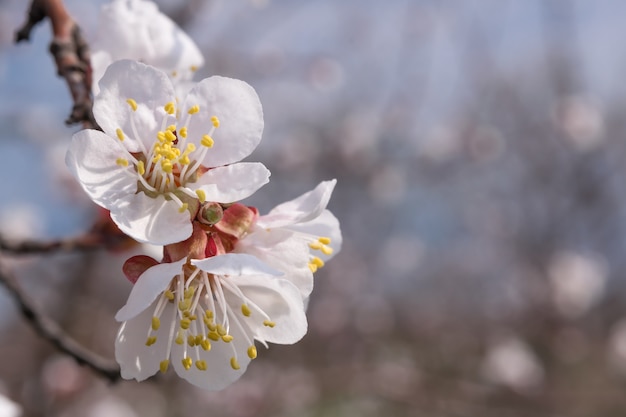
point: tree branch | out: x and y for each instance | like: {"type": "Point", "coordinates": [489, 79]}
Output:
{"type": "Point", "coordinates": [71, 55]}
{"type": "Point", "coordinates": [51, 331]}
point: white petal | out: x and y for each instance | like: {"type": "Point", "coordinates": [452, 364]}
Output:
{"type": "Point", "coordinates": [148, 287]}
{"type": "Point", "coordinates": [239, 111]}
{"type": "Point", "coordinates": [281, 250]}
{"type": "Point", "coordinates": [234, 264]}
{"type": "Point", "coordinates": [219, 373]}
{"type": "Point", "coordinates": [91, 158]}
{"type": "Point", "coordinates": [233, 182]}
{"type": "Point", "coordinates": [280, 300]}
{"type": "Point", "coordinates": [149, 87]}
{"type": "Point", "coordinates": [304, 208]}
{"type": "Point", "coordinates": [151, 220]}
{"type": "Point", "coordinates": [137, 360]}
{"type": "Point", "coordinates": [174, 51]}
{"type": "Point", "coordinates": [100, 60]}
{"type": "Point", "coordinates": [326, 225]}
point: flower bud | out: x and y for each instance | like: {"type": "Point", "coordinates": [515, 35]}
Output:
{"type": "Point", "coordinates": [210, 213]}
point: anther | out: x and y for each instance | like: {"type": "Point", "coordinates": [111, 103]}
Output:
{"type": "Point", "coordinates": [312, 267]}
{"type": "Point", "coordinates": [315, 245]}
{"type": "Point", "coordinates": [179, 340]}
{"type": "Point", "coordinates": [122, 162]}
{"type": "Point", "coordinates": [245, 310]}
{"type": "Point", "coordinates": [164, 365]}
{"type": "Point", "coordinates": [216, 121]}
{"type": "Point", "coordinates": [193, 68]}
{"type": "Point", "coordinates": [183, 132]}
{"type": "Point", "coordinates": [132, 103]}
{"type": "Point", "coordinates": [205, 344]}
{"type": "Point", "coordinates": [201, 365]}
{"type": "Point", "coordinates": [324, 240]}
{"type": "Point", "coordinates": [169, 295]}
{"type": "Point", "coordinates": [201, 195]}
{"type": "Point", "coordinates": [185, 323]}
{"type": "Point", "coordinates": [234, 364]}
{"type": "Point", "coordinates": [252, 352]}
{"type": "Point", "coordinates": [191, 340]}
{"type": "Point", "coordinates": [317, 261]}
{"type": "Point", "coordinates": [213, 336]}
{"type": "Point", "coordinates": [269, 323]}
{"type": "Point", "coordinates": [169, 108]}
{"type": "Point", "coordinates": [141, 168]}
{"type": "Point", "coordinates": [227, 338]}
{"type": "Point", "coordinates": [194, 109]}
{"type": "Point", "coordinates": [119, 133]}
{"type": "Point", "coordinates": [156, 323]}
{"type": "Point", "coordinates": [151, 341]}
{"type": "Point", "coordinates": [171, 128]}
{"type": "Point", "coordinates": [187, 362]}
{"type": "Point", "coordinates": [183, 208]}
{"type": "Point", "coordinates": [327, 250]}
{"type": "Point", "coordinates": [207, 141]}
{"type": "Point", "coordinates": [221, 330]}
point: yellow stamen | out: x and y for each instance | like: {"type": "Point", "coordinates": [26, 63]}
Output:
{"type": "Point", "coordinates": [312, 267]}
{"type": "Point", "coordinates": [324, 240]}
{"type": "Point", "coordinates": [245, 310]}
{"type": "Point", "coordinates": [194, 109]}
{"type": "Point", "coordinates": [315, 245]}
{"type": "Point", "coordinates": [213, 336]}
{"type": "Point", "coordinates": [132, 103]}
{"type": "Point", "coordinates": [209, 314]}
{"type": "Point", "coordinates": [164, 365]}
{"type": "Point", "coordinates": [269, 323]}
{"type": "Point", "coordinates": [185, 323]}
{"type": "Point", "coordinates": [151, 341]}
{"type": "Point", "coordinates": [122, 162]}
{"type": "Point", "coordinates": [205, 344]}
{"type": "Point", "coordinates": [234, 364]}
{"type": "Point", "coordinates": [169, 295]}
{"type": "Point", "coordinates": [221, 330]}
{"type": "Point", "coordinates": [227, 338]}
{"type": "Point", "coordinates": [183, 132]}
{"type": "Point", "coordinates": [179, 340]}
{"type": "Point", "coordinates": [141, 168]}
{"type": "Point", "coordinates": [201, 365]}
{"type": "Point", "coordinates": [252, 352]}
{"type": "Point", "coordinates": [156, 323]}
{"type": "Point", "coordinates": [187, 362]}
{"type": "Point", "coordinates": [207, 141]}
{"type": "Point", "coordinates": [216, 121]}
{"type": "Point", "coordinates": [193, 68]}
{"type": "Point", "coordinates": [317, 261]}
{"type": "Point", "coordinates": [171, 128]}
{"type": "Point", "coordinates": [327, 250]}
{"type": "Point", "coordinates": [167, 166]}
{"type": "Point", "coordinates": [119, 133]}
{"type": "Point", "coordinates": [201, 195]}
{"type": "Point", "coordinates": [183, 208]}
{"type": "Point", "coordinates": [191, 340]}
{"type": "Point", "coordinates": [169, 108]}
{"type": "Point", "coordinates": [170, 136]}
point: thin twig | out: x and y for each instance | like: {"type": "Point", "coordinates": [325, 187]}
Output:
{"type": "Point", "coordinates": [26, 247]}
{"type": "Point", "coordinates": [51, 331]}
{"type": "Point", "coordinates": [71, 55]}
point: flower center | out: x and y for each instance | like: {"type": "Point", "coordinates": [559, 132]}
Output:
{"type": "Point", "coordinates": [170, 163]}
{"type": "Point", "coordinates": [203, 316]}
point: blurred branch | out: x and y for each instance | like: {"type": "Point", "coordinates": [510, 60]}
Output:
{"type": "Point", "coordinates": [85, 242]}
{"type": "Point", "coordinates": [71, 55]}
{"type": "Point", "coordinates": [51, 331]}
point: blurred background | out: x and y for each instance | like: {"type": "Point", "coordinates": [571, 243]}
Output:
{"type": "Point", "coordinates": [481, 164]}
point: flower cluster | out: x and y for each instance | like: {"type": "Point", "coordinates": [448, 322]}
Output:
{"type": "Point", "coordinates": [168, 171]}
